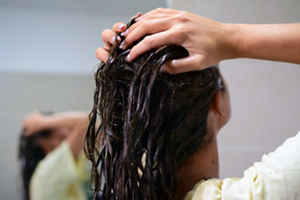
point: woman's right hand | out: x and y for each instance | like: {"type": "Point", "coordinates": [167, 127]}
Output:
{"type": "Point", "coordinates": [207, 41]}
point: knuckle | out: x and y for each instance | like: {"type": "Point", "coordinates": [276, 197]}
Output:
{"type": "Point", "coordinates": [180, 34]}
{"type": "Point", "coordinates": [159, 10]}
{"type": "Point", "coordinates": [148, 40]}
{"type": "Point", "coordinates": [146, 25]}
{"type": "Point", "coordinates": [180, 28]}
{"type": "Point", "coordinates": [181, 16]}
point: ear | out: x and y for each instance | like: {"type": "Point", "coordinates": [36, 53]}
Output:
{"type": "Point", "coordinates": [217, 104]}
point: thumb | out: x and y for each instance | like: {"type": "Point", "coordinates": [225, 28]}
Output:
{"type": "Point", "coordinates": [190, 63]}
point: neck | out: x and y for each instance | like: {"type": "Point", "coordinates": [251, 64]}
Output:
{"type": "Point", "coordinates": [203, 164]}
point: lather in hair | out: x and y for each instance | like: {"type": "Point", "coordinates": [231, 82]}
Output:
{"type": "Point", "coordinates": [146, 113]}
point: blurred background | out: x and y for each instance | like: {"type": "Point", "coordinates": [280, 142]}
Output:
{"type": "Point", "coordinates": [47, 63]}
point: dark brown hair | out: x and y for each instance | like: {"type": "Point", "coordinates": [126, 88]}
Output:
{"type": "Point", "coordinates": [146, 113]}
{"type": "Point", "coordinates": [30, 154]}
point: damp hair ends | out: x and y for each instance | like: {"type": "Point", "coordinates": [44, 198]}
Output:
{"type": "Point", "coordinates": [150, 122]}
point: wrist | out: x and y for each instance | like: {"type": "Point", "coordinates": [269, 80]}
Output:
{"type": "Point", "coordinates": [46, 122]}
{"type": "Point", "coordinates": [232, 41]}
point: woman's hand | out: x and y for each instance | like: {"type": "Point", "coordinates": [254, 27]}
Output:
{"type": "Point", "coordinates": [109, 38]}
{"type": "Point", "coordinates": [33, 123]}
{"type": "Point", "coordinates": [207, 41]}
{"type": "Point", "coordinates": [203, 38]}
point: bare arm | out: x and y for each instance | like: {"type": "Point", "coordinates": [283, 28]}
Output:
{"type": "Point", "coordinates": [208, 42]}
{"type": "Point", "coordinates": [276, 42]}
{"type": "Point", "coordinates": [76, 122]}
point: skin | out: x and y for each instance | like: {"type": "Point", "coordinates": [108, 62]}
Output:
{"type": "Point", "coordinates": [208, 42]}
{"type": "Point", "coordinates": [56, 137]}
{"type": "Point", "coordinates": [69, 126]}
{"type": "Point", "coordinates": [205, 162]}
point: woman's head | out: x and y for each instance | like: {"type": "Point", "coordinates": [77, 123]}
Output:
{"type": "Point", "coordinates": [150, 122]}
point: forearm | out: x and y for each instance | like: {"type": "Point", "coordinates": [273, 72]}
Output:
{"type": "Point", "coordinates": [76, 122]}
{"type": "Point", "coordinates": [71, 120]}
{"type": "Point", "coordinates": [277, 42]}
{"type": "Point", "coordinates": [76, 138]}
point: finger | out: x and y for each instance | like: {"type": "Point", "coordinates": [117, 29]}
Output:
{"type": "Point", "coordinates": [109, 37]}
{"type": "Point", "coordinates": [147, 27]}
{"type": "Point", "coordinates": [151, 42]}
{"type": "Point", "coordinates": [102, 54]}
{"type": "Point", "coordinates": [137, 15]}
{"type": "Point", "coordinates": [119, 27]}
{"type": "Point", "coordinates": [160, 11]}
{"type": "Point", "coordinates": [190, 63]}
{"type": "Point", "coordinates": [143, 18]}
{"type": "Point", "coordinates": [107, 47]}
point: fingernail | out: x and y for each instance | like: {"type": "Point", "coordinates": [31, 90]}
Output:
{"type": "Point", "coordinates": [122, 27]}
{"type": "Point", "coordinates": [119, 39]}
{"type": "Point", "coordinates": [113, 40]}
{"type": "Point", "coordinates": [128, 58]}
{"type": "Point", "coordinates": [139, 14]}
{"type": "Point", "coordinates": [124, 34]}
{"type": "Point", "coordinates": [161, 69]}
{"type": "Point", "coordinates": [122, 45]}
{"type": "Point", "coordinates": [138, 18]}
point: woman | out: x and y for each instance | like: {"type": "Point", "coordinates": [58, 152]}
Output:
{"type": "Point", "coordinates": [50, 156]}
{"type": "Point", "coordinates": [277, 176]}
{"type": "Point", "coordinates": [169, 121]}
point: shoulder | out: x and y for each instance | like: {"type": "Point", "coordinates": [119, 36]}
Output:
{"type": "Point", "coordinates": [276, 177]}
{"type": "Point", "coordinates": [56, 159]}
{"type": "Point", "coordinates": [56, 173]}
{"type": "Point", "coordinates": [57, 167]}
{"type": "Point", "coordinates": [206, 190]}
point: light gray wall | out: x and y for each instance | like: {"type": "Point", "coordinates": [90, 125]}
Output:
{"type": "Point", "coordinates": [23, 93]}
{"type": "Point", "coordinates": [59, 36]}
{"type": "Point", "coordinates": [265, 95]}
{"type": "Point", "coordinates": [47, 62]}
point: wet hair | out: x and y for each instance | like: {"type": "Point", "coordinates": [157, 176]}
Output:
{"type": "Point", "coordinates": [150, 122]}
{"type": "Point", "coordinates": [30, 154]}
